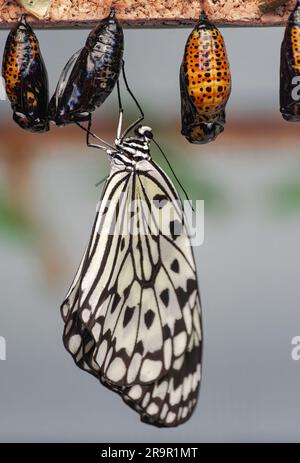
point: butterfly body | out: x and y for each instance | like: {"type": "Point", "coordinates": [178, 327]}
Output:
{"type": "Point", "coordinates": [132, 314]}
{"type": "Point", "coordinates": [205, 83]}
{"type": "Point", "coordinates": [290, 68]}
{"type": "Point", "coordinates": [25, 78]}
{"type": "Point", "coordinates": [94, 71]}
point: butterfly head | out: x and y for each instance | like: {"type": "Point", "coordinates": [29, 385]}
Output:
{"type": "Point", "coordinates": [144, 132]}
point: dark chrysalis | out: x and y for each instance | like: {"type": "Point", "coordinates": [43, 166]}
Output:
{"type": "Point", "coordinates": [25, 77]}
{"type": "Point", "coordinates": [205, 83]}
{"type": "Point", "coordinates": [93, 72]}
{"type": "Point", "coordinates": [290, 69]}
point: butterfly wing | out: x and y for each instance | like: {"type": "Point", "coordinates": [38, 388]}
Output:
{"type": "Point", "coordinates": [133, 311]}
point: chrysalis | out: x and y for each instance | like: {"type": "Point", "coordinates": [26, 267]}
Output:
{"type": "Point", "coordinates": [93, 72]}
{"type": "Point", "coordinates": [25, 77]}
{"type": "Point", "coordinates": [205, 83]}
{"type": "Point", "coordinates": [290, 69]}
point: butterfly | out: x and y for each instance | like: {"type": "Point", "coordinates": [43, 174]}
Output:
{"type": "Point", "coordinates": [133, 314]}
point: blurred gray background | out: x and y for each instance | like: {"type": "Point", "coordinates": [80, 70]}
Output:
{"type": "Point", "coordinates": [248, 265]}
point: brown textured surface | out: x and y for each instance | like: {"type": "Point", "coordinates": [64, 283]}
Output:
{"type": "Point", "coordinates": [270, 5]}
{"type": "Point", "coordinates": [150, 12]}
{"type": "Point", "coordinates": [247, 12]}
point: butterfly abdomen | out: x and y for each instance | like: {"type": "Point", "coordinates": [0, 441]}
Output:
{"type": "Point", "coordinates": [25, 78]}
{"type": "Point", "coordinates": [205, 78]}
{"type": "Point", "coordinates": [290, 68]}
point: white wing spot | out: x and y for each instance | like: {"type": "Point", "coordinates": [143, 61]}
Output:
{"type": "Point", "coordinates": [96, 331]}
{"type": "Point", "coordinates": [134, 367]}
{"type": "Point", "coordinates": [152, 409]}
{"type": "Point", "coordinates": [146, 400]}
{"type": "Point", "coordinates": [184, 412]}
{"type": "Point", "coordinates": [170, 417]}
{"type": "Point", "coordinates": [135, 392]}
{"type": "Point", "coordinates": [167, 353]}
{"type": "Point", "coordinates": [187, 318]}
{"type": "Point", "coordinates": [116, 370]}
{"type": "Point", "coordinates": [164, 411]}
{"type": "Point", "coordinates": [74, 343]}
{"type": "Point", "coordinates": [150, 370]}
{"type": "Point", "coordinates": [180, 341]}
{"type": "Point", "coordinates": [177, 364]}
{"type": "Point", "coordinates": [85, 315]}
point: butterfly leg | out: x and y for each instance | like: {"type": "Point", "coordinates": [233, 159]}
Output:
{"type": "Point", "coordinates": [104, 146]}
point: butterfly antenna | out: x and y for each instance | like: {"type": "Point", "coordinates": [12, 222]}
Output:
{"type": "Point", "coordinates": [173, 172]}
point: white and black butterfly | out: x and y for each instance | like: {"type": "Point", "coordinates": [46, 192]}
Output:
{"type": "Point", "coordinates": [132, 314]}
